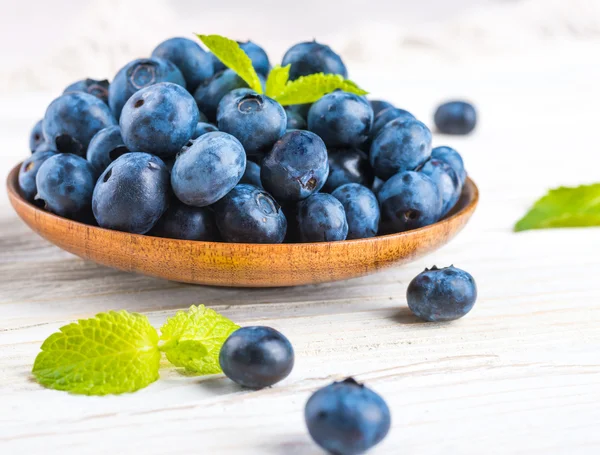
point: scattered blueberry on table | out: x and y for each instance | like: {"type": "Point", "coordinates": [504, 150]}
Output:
{"type": "Point", "coordinates": [455, 117]}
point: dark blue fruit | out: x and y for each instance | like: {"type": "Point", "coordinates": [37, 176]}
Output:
{"type": "Point", "coordinates": [36, 137]}
{"type": "Point", "coordinates": [453, 158]}
{"type": "Point", "coordinates": [260, 59]}
{"type": "Point", "coordinates": [447, 181]}
{"type": "Point", "coordinates": [347, 418]}
{"type": "Point", "coordinates": [252, 174]}
{"type": "Point", "coordinates": [208, 168]}
{"type": "Point", "coordinates": [256, 357]}
{"type": "Point", "coordinates": [229, 101]}
{"type": "Point", "coordinates": [300, 109]}
{"type": "Point", "coordinates": [348, 166]}
{"type": "Point", "coordinates": [46, 147]}
{"type": "Point", "coordinates": [362, 210]}
{"type": "Point", "coordinates": [195, 64]}
{"type": "Point", "coordinates": [321, 218]}
{"type": "Point", "coordinates": [132, 193]}
{"type": "Point", "coordinates": [296, 166]}
{"type": "Point", "coordinates": [217, 64]}
{"type": "Point", "coordinates": [65, 184]}
{"type": "Point", "coordinates": [408, 200]}
{"type": "Point", "coordinates": [295, 121]}
{"type": "Point", "coordinates": [441, 294]}
{"type": "Point", "coordinates": [387, 115]}
{"type": "Point", "coordinates": [312, 57]}
{"type": "Point", "coordinates": [71, 121]}
{"type": "Point", "coordinates": [209, 94]}
{"type": "Point", "coordinates": [455, 117]}
{"type": "Point", "coordinates": [138, 74]}
{"type": "Point", "coordinates": [380, 105]}
{"type": "Point", "coordinates": [342, 119]}
{"type": "Point", "coordinates": [248, 214]}
{"type": "Point", "coordinates": [106, 146]}
{"type": "Point", "coordinates": [91, 86]}
{"type": "Point", "coordinates": [183, 222]}
{"type": "Point", "coordinates": [203, 128]}
{"type": "Point", "coordinates": [28, 173]}
{"type": "Point", "coordinates": [159, 119]}
{"type": "Point", "coordinates": [400, 146]}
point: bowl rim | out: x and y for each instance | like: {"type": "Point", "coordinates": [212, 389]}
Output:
{"type": "Point", "coordinates": [14, 195]}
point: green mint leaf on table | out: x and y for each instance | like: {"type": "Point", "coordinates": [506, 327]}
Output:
{"type": "Point", "coordinates": [193, 339]}
{"type": "Point", "coordinates": [308, 89]}
{"type": "Point", "coordinates": [277, 80]}
{"type": "Point", "coordinates": [564, 207]}
{"type": "Point", "coordinates": [233, 57]}
{"type": "Point", "coordinates": [114, 352]}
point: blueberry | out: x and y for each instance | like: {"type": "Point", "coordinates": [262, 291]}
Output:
{"type": "Point", "coordinates": [300, 109]}
{"type": "Point", "coordinates": [36, 137]}
{"type": "Point", "coordinates": [260, 59]}
{"type": "Point", "coordinates": [312, 57]}
{"type": "Point", "coordinates": [132, 193]}
{"type": "Point", "coordinates": [202, 118]}
{"type": "Point", "coordinates": [203, 128]}
{"type": "Point", "coordinates": [181, 221]}
{"type": "Point", "coordinates": [362, 210]}
{"type": "Point", "coordinates": [106, 146]}
{"type": "Point", "coordinates": [72, 119]}
{"type": "Point", "coordinates": [138, 74]}
{"type": "Point", "coordinates": [455, 117]}
{"type": "Point", "coordinates": [46, 147]}
{"type": "Point", "coordinates": [447, 181]}
{"type": "Point", "coordinates": [159, 119]}
{"type": "Point", "coordinates": [217, 64]}
{"type": "Point", "coordinates": [295, 121]}
{"type": "Point", "coordinates": [229, 101]}
{"type": "Point", "coordinates": [348, 166]}
{"type": "Point", "coordinates": [441, 294]}
{"type": "Point", "coordinates": [453, 158]}
{"type": "Point", "coordinates": [400, 146]}
{"type": "Point", "coordinates": [195, 64]}
{"type": "Point", "coordinates": [91, 86]}
{"type": "Point", "coordinates": [342, 119]}
{"type": "Point", "coordinates": [408, 200]}
{"type": "Point", "coordinates": [347, 418]}
{"type": "Point", "coordinates": [380, 105]}
{"type": "Point", "coordinates": [252, 174]}
{"type": "Point", "coordinates": [209, 168]}
{"type": "Point", "coordinates": [296, 166]}
{"type": "Point", "coordinates": [321, 218]}
{"type": "Point", "coordinates": [28, 173]}
{"type": "Point", "coordinates": [65, 184]}
{"type": "Point", "coordinates": [387, 115]}
{"type": "Point", "coordinates": [257, 357]}
{"type": "Point", "coordinates": [248, 214]}
{"type": "Point", "coordinates": [377, 184]}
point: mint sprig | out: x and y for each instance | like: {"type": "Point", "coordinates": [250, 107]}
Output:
{"type": "Point", "coordinates": [308, 89]}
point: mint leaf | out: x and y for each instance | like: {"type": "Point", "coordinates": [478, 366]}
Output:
{"type": "Point", "coordinates": [277, 80]}
{"type": "Point", "coordinates": [114, 352]}
{"type": "Point", "coordinates": [193, 339]}
{"type": "Point", "coordinates": [308, 89]}
{"type": "Point", "coordinates": [233, 57]}
{"type": "Point", "coordinates": [564, 207]}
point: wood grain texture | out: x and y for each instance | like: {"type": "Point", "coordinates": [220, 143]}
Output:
{"type": "Point", "coordinates": [241, 265]}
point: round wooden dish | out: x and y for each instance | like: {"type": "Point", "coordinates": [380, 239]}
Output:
{"type": "Point", "coordinates": [236, 264]}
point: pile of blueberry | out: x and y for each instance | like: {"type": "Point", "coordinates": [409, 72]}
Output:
{"type": "Point", "coordinates": [178, 146]}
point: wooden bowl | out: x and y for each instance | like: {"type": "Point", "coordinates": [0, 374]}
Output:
{"type": "Point", "coordinates": [237, 264]}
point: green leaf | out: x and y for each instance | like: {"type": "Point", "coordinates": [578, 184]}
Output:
{"type": "Point", "coordinates": [308, 89]}
{"type": "Point", "coordinates": [564, 207]}
{"type": "Point", "coordinates": [277, 80]}
{"type": "Point", "coordinates": [114, 352]}
{"type": "Point", "coordinates": [233, 57]}
{"type": "Point", "coordinates": [193, 339]}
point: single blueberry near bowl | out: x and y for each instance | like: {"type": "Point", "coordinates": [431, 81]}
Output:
{"type": "Point", "coordinates": [65, 184]}
{"type": "Point", "coordinates": [455, 117]}
{"type": "Point", "coordinates": [159, 119]}
{"type": "Point", "coordinates": [342, 119]}
{"type": "Point", "coordinates": [106, 146]}
{"type": "Point", "coordinates": [361, 208]}
{"type": "Point", "coordinates": [248, 214]}
{"type": "Point", "coordinates": [312, 57]}
{"type": "Point", "coordinates": [347, 418]}
{"type": "Point", "coordinates": [181, 221]}
{"type": "Point", "coordinates": [441, 294]}
{"type": "Point", "coordinates": [91, 86]}
{"type": "Point", "coordinates": [386, 116]}
{"type": "Point", "coordinates": [260, 59]}
{"type": "Point", "coordinates": [379, 105]}
{"type": "Point", "coordinates": [72, 119]}
{"type": "Point", "coordinates": [132, 193]}
{"type": "Point", "coordinates": [296, 166]}
{"type": "Point", "coordinates": [36, 137]}
{"type": "Point", "coordinates": [256, 357]}
{"type": "Point", "coordinates": [208, 168]}
{"type": "Point", "coordinates": [408, 200]}
{"type": "Point", "coordinates": [28, 173]}
{"type": "Point", "coordinates": [203, 128]}
{"type": "Point", "coordinates": [321, 218]}
{"type": "Point", "coordinates": [447, 181]}
{"type": "Point", "coordinates": [195, 64]}
{"type": "Point", "coordinates": [138, 74]}
{"type": "Point", "coordinates": [400, 146]}
{"type": "Point", "coordinates": [252, 174]}
{"type": "Point", "coordinates": [211, 92]}
{"type": "Point", "coordinates": [348, 166]}
{"type": "Point", "coordinates": [453, 158]}
{"type": "Point", "coordinates": [295, 121]}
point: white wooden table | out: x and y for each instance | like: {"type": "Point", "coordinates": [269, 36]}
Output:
{"type": "Point", "coordinates": [520, 374]}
